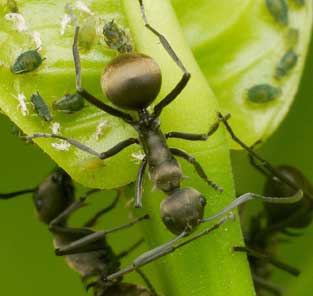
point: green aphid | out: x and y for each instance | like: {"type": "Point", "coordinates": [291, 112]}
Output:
{"type": "Point", "coordinates": [87, 34]}
{"type": "Point", "coordinates": [16, 131]}
{"type": "Point", "coordinates": [286, 64]}
{"type": "Point", "coordinates": [27, 62]}
{"type": "Point", "coordinates": [41, 107]}
{"type": "Point", "coordinates": [292, 37]}
{"type": "Point", "coordinates": [263, 93]}
{"type": "Point", "coordinates": [69, 103]}
{"type": "Point", "coordinates": [279, 10]}
{"type": "Point", "coordinates": [116, 38]}
{"type": "Point", "coordinates": [12, 6]}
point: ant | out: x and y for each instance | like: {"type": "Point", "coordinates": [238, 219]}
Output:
{"type": "Point", "coordinates": [132, 81]}
{"type": "Point", "coordinates": [54, 201]}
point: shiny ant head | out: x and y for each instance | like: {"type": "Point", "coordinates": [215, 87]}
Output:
{"type": "Point", "coordinates": [182, 210]}
{"type": "Point", "coordinates": [275, 187]}
{"type": "Point", "coordinates": [53, 195]}
{"type": "Point", "coordinates": [131, 81]}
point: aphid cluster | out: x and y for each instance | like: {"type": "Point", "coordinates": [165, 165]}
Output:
{"type": "Point", "coordinates": [132, 81]}
{"type": "Point", "coordinates": [267, 92]}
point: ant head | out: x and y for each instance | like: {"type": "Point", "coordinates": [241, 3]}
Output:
{"type": "Point", "coordinates": [182, 210]}
{"type": "Point", "coordinates": [131, 81]}
{"type": "Point", "coordinates": [304, 207]}
{"type": "Point", "coordinates": [53, 195]}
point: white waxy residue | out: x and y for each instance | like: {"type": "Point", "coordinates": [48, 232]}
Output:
{"type": "Point", "coordinates": [64, 22]}
{"type": "Point", "coordinates": [22, 104]}
{"type": "Point", "coordinates": [37, 40]}
{"type": "Point", "coordinates": [81, 5]}
{"type": "Point", "coordinates": [55, 128]}
{"type": "Point", "coordinates": [62, 146]}
{"type": "Point", "coordinates": [101, 126]}
{"type": "Point", "coordinates": [18, 20]}
{"type": "Point", "coordinates": [137, 156]}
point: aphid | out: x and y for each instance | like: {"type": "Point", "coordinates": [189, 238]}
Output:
{"type": "Point", "coordinates": [87, 34]}
{"type": "Point", "coordinates": [286, 64]}
{"type": "Point", "coordinates": [132, 81]}
{"type": "Point", "coordinates": [278, 10]}
{"type": "Point", "coordinates": [292, 37]}
{"type": "Point", "coordinates": [116, 38]}
{"type": "Point", "coordinates": [26, 62]}
{"type": "Point", "coordinates": [54, 201]}
{"type": "Point", "coordinates": [12, 6]}
{"type": "Point", "coordinates": [263, 93]}
{"type": "Point", "coordinates": [41, 107]}
{"type": "Point", "coordinates": [69, 103]}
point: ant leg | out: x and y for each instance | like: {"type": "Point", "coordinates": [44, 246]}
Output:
{"type": "Point", "coordinates": [251, 152]}
{"type": "Point", "coordinates": [249, 196]}
{"type": "Point", "coordinates": [268, 258]}
{"type": "Point", "coordinates": [266, 285]}
{"type": "Point", "coordinates": [147, 282]}
{"type": "Point", "coordinates": [195, 137]}
{"type": "Point", "coordinates": [103, 155]}
{"type": "Point", "coordinates": [186, 75]}
{"type": "Point", "coordinates": [93, 220]}
{"type": "Point", "coordinates": [197, 166]}
{"type": "Point", "coordinates": [129, 250]}
{"type": "Point", "coordinates": [60, 219]}
{"type": "Point", "coordinates": [16, 193]}
{"type": "Point", "coordinates": [89, 97]}
{"type": "Point", "coordinates": [76, 246]}
{"type": "Point", "coordinates": [139, 183]}
{"type": "Point", "coordinates": [164, 249]}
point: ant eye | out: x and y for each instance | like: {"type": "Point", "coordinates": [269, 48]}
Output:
{"type": "Point", "coordinates": [39, 203]}
{"type": "Point", "coordinates": [168, 220]}
{"type": "Point", "coordinates": [202, 201]}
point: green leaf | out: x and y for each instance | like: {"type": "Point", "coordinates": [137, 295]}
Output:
{"type": "Point", "coordinates": [206, 266]}
{"type": "Point", "coordinates": [238, 45]}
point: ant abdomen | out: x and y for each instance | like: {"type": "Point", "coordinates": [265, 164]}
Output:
{"type": "Point", "coordinates": [131, 81]}
{"type": "Point", "coordinates": [183, 210]}
{"type": "Point", "coordinates": [304, 207]}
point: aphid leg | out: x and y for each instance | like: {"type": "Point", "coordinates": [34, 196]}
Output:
{"type": "Point", "coordinates": [197, 166]}
{"type": "Point", "coordinates": [164, 249]}
{"type": "Point", "coordinates": [76, 246]}
{"type": "Point", "coordinates": [147, 282]}
{"type": "Point", "coordinates": [249, 196]}
{"type": "Point", "coordinates": [266, 285]}
{"type": "Point", "coordinates": [71, 209]}
{"type": "Point", "coordinates": [89, 97]}
{"type": "Point", "coordinates": [195, 137]}
{"type": "Point", "coordinates": [16, 193]}
{"type": "Point", "coordinates": [103, 155]}
{"type": "Point", "coordinates": [94, 219]}
{"type": "Point", "coordinates": [186, 75]}
{"type": "Point", "coordinates": [139, 183]}
{"type": "Point", "coordinates": [268, 258]}
{"type": "Point", "coordinates": [129, 250]}
{"type": "Point", "coordinates": [253, 154]}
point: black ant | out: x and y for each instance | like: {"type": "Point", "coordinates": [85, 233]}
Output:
{"type": "Point", "coordinates": [54, 202]}
{"type": "Point", "coordinates": [132, 81]}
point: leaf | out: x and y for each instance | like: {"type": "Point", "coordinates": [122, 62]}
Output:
{"type": "Point", "coordinates": [238, 45]}
{"type": "Point", "coordinates": [205, 266]}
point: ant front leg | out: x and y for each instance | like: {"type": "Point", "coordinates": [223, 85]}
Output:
{"type": "Point", "coordinates": [88, 96]}
{"type": "Point", "coordinates": [186, 75]}
{"type": "Point", "coordinates": [197, 166]}
{"type": "Point", "coordinates": [196, 137]}
{"type": "Point", "coordinates": [103, 155]}
{"type": "Point", "coordinates": [139, 183]}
